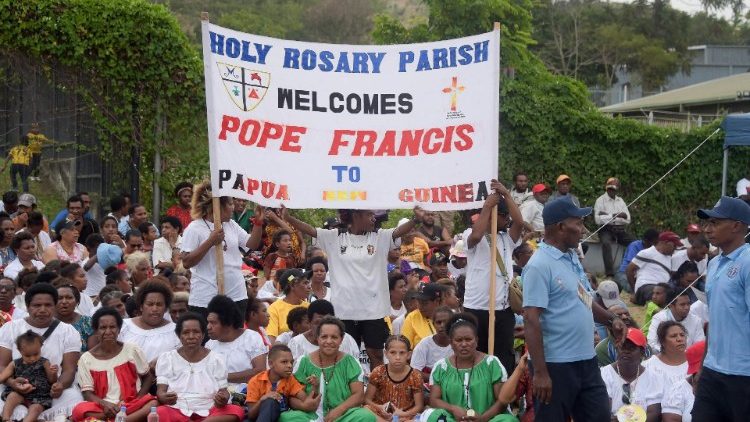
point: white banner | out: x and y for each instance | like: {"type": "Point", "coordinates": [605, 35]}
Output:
{"type": "Point", "coordinates": [352, 126]}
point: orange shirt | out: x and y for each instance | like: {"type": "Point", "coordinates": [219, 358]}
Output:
{"type": "Point", "coordinates": [260, 385]}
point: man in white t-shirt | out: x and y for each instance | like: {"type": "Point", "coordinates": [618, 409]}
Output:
{"type": "Point", "coordinates": [476, 296]}
{"type": "Point", "coordinates": [652, 266]}
{"type": "Point", "coordinates": [532, 210]}
{"type": "Point", "coordinates": [520, 191]}
{"type": "Point", "coordinates": [697, 252]}
{"type": "Point", "coordinates": [743, 189]}
{"type": "Point", "coordinates": [357, 262]}
{"type": "Point", "coordinates": [678, 310]}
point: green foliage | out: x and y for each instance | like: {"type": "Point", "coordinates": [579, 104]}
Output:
{"type": "Point", "coordinates": [549, 127]}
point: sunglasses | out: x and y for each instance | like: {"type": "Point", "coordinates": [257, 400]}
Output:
{"type": "Point", "coordinates": [626, 394]}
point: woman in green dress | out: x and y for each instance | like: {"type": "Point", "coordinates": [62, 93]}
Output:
{"type": "Point", "coordinates": [466, 385]}
{"type": "Point", "coordinates": [337, 376]}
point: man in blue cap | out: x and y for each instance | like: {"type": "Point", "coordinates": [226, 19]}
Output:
{"type": "Point", "coordinates": [559, 322]}
{"type": "Point", "coordinates": [724, 385]}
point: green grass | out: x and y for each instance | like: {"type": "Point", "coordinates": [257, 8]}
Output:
{"type": "Point", "coordinates": [49, 201]}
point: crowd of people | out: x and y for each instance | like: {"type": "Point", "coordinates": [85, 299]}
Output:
{"type": "Point", "coordinates": [122, 315]}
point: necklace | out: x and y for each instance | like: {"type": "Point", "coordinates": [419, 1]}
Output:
{"type": "Point", "coordinates": [209, 229]}
{"type": "Point", "coordinates": [327, 380]}
{"type": "Point", "coordinates": [628, 389]}
{"type": "Point", "coordinates": [467, 379]}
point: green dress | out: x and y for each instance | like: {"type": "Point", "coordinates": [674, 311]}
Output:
{"type": "Point", "coordinates": [480, 379]}
{"type": "Point", "coordinates": [334, 386]}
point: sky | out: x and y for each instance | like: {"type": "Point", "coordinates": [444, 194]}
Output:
{"type": "Point", "coordinates": [691, 6]}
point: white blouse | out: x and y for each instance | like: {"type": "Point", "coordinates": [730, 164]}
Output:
{"type": "Point", "coordinates": [130, 354]}
{"type": "Point", "coordinates": [194, 383]}
{"type": "Point", "coordinates": [671, 374]}
{"type": "Point", "coordinates": [153, 342]}
{"type": "Point", "coordinates": [678, 400]}
{"type": "Point", "coordinates": [238, 354]}
{"type": "Point", "coordinates": [645, 390]}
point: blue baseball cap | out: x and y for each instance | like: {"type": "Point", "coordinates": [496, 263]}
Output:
{"type": "Point", "coordinates": [729, 209]}
{"type": "Point", "coordinates": [561, 208]}
{"type": "Point", "coordinates": [108, 255]}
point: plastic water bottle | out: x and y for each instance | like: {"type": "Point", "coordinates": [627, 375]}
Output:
{"type": "Point", "coordinates": [121, 415]}
{"type": "Point", "coordinates": [153, 416]}
{"type": "Point", "coordinates": [394, 418]}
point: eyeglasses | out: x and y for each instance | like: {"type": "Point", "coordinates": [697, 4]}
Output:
{"type": "Point", "coordinates": [626, 394]}
{"type": "Point", "coordinates": [8, 288]}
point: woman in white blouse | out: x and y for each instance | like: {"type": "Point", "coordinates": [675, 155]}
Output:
{"type": "Point", "coordinates": [242, 350]}
{"type": "Point", "coordinates": [150, 331]}
{"type": "Point", "coordinates": [192, 380]}
{"type": "Point", "coordinates": [166, 253]}
{"type": "Point", "coordinates": [671, 363]}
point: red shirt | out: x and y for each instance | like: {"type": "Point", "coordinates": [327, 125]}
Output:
{"type": "Point", "coordinates": [181, 213]}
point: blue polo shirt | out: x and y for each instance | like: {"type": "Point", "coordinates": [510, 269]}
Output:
{"type": "Point", "coordinates": [728, 291]}
{"type": "Point", "coordinates": [550, 281]}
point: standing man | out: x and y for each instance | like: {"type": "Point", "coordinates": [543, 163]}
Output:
{"type": "Point", "coordinates": [520, 192]}
{"type": "Point", "coordinates": [476, 297]}
{"type": "Point", "coordinates": [563, 189]}
{"type": "Point", "coordinates": [532, 210]}
{"type": "Point", "coordinates": [435, 236]}
{"type": "Point", "coordinates": [559, 323]}
{"type": "Point", "coordinates": [611, 212]}
{"type": "Point", "coordinates": [75, 208]}
{"type": "Point", "coordinates": [36, 142]}
{"type": "Point", "coordinates": [724, 385]}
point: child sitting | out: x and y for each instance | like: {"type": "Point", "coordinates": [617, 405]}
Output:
{"type": "Point", "coordinates": [657, 302]}
{"type": "Point", "coordinates": [297, 321]}
{"type": "Point", "coordinates": [276, 391]}
{"type": "Point", "coordinates": [36, 375]}
{"type": "Point", "coordinates": [435, 347]}
{"type": "Point", "coordinates": [395, 389]}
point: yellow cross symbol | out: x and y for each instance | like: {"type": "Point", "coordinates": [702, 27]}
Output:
{"type": "Point", "coordinates": [454, 90]}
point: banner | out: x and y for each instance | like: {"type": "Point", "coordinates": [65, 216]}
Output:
{"type": "Point", "coordinates": [352, 126]}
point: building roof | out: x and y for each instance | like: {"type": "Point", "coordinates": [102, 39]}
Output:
{"type": "Point", "coordinates": [721, 90]}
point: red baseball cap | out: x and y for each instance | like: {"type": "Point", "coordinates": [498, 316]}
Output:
{"type": "Point", "coordinates": [694, 356]}
{"type": "Point", "coordinates": [671, 237]}
{"type": "Point", "coordinates": [539, 188]}
{"type": "Point", "coordinates": [693, 228]}
{"type": "Point", "coordinates": [636, 337]}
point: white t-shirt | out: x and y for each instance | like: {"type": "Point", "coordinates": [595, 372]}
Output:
{"type": "Point", "coordinates": [203, 281]}
{"type": "Point", "coordinates": [238, 354]}
{"type": "Point", "coordinates": [742, 186]}
{"type": "Point", "coordinates": [359, 277]}
{"type": "Point", "coordinates": [646, 390]}
{"type": "Point", "coordinates": [678, 257]}
{"type": "Point", "coordinates": [194, 383]}
{"type": "Point", "coordinates": [478, 272]}
{"type": "Point", "coordinates": [398, 312]}
{"type": "Point", "coordinates": [86, 306]}
{"type": "Point", "coordinates": [301, 347]}
{"type": "Point", "coordinates": [65, 339]}
{"type": "Point", "coordinates": [678, 400]}
{"type": "Point", "coordinates": [427, 353]}
{"type": "Point", "coordinates": [153, 342]}
{"type": "Point", "coordinates": [95, 280]}
{"type": "Point", "coordinates": [670, 374]}
{"type": "Point", "coordinates": [284, 337]}
{"type": "Point", "coordinates": [692, 324]}
{"type": "Point", "coordinates": [648, 272]}
{"type": "Point", "coordinates": [162, 252]}
{"type": "Point", "coordinates": [456, 272]}
{"type": "Point", "coordinates": [268, 291]}
{"type": "Point", "coordinates": [532, 213]}
{"type": "Point", "coordinates": [700, 310]}
{"type": "Point", "coordinates": [396, 325]}
{"type": "Point", "coordinates": [15, 267]}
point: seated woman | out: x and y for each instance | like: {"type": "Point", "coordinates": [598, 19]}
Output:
{"type": "Point", "coordinates": [467, 384]}
{"type": "Point", "coordinates": [62, 347]}
{"type": "Point", "coordinates": [191, 381]}
{"type": "Point", "coordinates": [677, 404]}
{"type": "Point", "coordinates": [671, 362]}
{"type": "Point", "coordinates": [113, 374]}
{"type": "Point", "coordinates": [343, 394]}
{"type": "Point", "coordinates": [307, 342]}
{"type": "Point", "coordinates": [150, 331]}
{"type": "Point", "coordinates": [633, 389]}
{"type": "Point", "coordinates": [241, 350]}
{"type": "Point", "coordinates": [68, 298]}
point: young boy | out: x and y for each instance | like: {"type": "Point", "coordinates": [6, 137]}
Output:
{"type": "Point", "coordinates": [657, 302]}
{"type": "Point", "coordinates": [20, 160]}
{"type": "Point", "coordinates": [274, 391]}
{"type": "Point", "coordinates": [297, 321]}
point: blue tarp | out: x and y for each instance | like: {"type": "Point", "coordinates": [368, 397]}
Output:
{"type": "Point", "coordinates": [736, 130]}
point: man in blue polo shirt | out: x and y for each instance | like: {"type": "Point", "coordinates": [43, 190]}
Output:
{"type": "Point", "coordinates": [559, 323]}
{"type": "Point", "coordinates": [724, 385]}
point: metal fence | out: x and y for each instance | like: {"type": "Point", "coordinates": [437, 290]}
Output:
{"type": "Point", "coordinates": [30, 93]}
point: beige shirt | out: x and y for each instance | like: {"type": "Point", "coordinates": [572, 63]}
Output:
{"type": "Point", "coordinates": [611, 207]}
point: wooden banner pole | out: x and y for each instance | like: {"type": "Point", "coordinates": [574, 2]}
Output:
{"type": "Point", "coordinates": [216, 209]}
{"type": "Point", "coordinates": [493, 265]}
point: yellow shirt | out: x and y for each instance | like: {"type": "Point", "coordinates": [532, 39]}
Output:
{"type": "Point", "coordinates": [415, 252]}
{"type": "Point", "coordinates": [36, 142]}
{"type": "Point", "coordinates": [277, 314]}
{"type": "Point", "coordinates": [20, 154]}
{"type": "Point", "coordinates": [416, 327]}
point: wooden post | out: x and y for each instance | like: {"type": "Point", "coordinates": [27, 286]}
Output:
{"type": "Point", "coordinates": [216, 203]}
{"type": "Point", "coordinates": [493, 265]}
{"type": "Point", "coordinates": [493, 282]}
